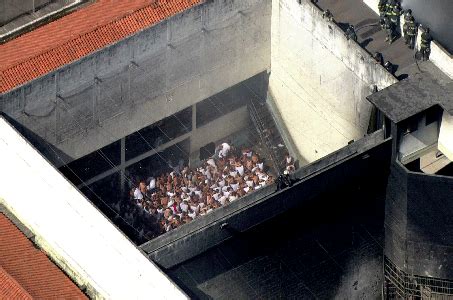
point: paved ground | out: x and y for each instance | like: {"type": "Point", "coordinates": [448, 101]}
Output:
{"type": "Point", "coordinates": [369, 33]}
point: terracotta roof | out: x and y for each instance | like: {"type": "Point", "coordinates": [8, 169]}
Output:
{"type": "Point", "coordinates": [27, 271]}
{"type": "Point", "coordinates": [76, 35]}
{"type": "Point", "coordinates": [10, 288]}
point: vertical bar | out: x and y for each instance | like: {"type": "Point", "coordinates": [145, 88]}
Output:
{"type": "Point", "coordinates": [95, 94]}
{"type": "Point", "coordinates": [129, 100]}
{"type": "Point", "coordinates": [57, 110]}
{"type": "Point", "coordinates": [123, 165]}
{"type": "Point", "coordinates": [194, 117]}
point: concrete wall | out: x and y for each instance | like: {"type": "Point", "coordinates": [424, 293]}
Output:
{"type": "Point", "coordinates": [396, 216]}
{"type": "Point", "coordinates": [429, 225]}
{"type": "Point", "coordinates": [319, 79]}
{"type": "Point", "coordinates": [10, 9]}
{"type": "Point", "coordinates": [418, 222]}
{"type": "Point", "coordinates": [413, 144]}
{"type": "Point", "coordinates": [142, 79]}
{"type": "Point", "coordinates": [442, 59]}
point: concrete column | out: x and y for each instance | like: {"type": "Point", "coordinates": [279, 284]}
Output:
{"type": "Point", "coordinates": [57, 110]}
{"type": "Point", "coordinates": [96, 100]}
{"type": "Point", "coordinates": [194, 155]}
{"type": "Point", "coordinates": [123, 165]}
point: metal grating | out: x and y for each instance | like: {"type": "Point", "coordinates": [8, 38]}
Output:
{"type": "Point", "coordinates": [400, 285]}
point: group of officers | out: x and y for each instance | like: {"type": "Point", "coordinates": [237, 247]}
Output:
{"type": "Point", "coordinates": [390, 12]}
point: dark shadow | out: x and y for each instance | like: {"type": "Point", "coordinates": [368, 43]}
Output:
{"type": "Point", "coordinates": [395, 68]}
{"type": "Point", "coordinates": [365, 43]}
{"type": "Point", "coordinates": [207, 151]}
{"type": "Point", "coordinates": [343, 26]}
{"type": "Point", "coordinates": [402, 76]}
{"type": "Point", "coordinates": [339, 227]}
{"type": "Point", "coordinates": [50, 152]}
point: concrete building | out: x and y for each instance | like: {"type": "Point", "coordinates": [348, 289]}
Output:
{"type": "Point", "coordinates": [113, 93]}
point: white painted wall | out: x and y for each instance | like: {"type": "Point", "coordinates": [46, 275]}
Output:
{"type": "Point", "coordinates": [446, 136]}
{"type": "Point", "coordinates": [70, 230]}
{"type": "Point", "coordinates": [415, 144]}
{"type": "Point", "coordinates": [319, 80]}
{"type": "Point", "coordinates": [442, 59]}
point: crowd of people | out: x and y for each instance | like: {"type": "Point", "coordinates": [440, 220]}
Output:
{"type": "Point", "coordinates": [179, 196]}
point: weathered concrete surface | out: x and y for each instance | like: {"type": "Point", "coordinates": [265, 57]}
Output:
{"type": "Point", "coordinates": [10, 9]}
{"type": "Point", "coordinates": [418, 219]}
{"type": "Point", "coordinates": [142, 79]}
{"type": "Point", "coordinates": [319, 80]}
{"type": "Point", "coordinates": [203, 233]}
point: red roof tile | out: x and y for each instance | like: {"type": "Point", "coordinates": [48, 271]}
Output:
{"type": "Point", "coordinates": [10, 288]}
{"type": "Point", "coordinates": [27, 271]}
{"type": "Point", "coordinates": [78, 34]}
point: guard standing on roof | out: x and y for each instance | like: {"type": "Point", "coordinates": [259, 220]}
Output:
{"type": "Point", "coordinates": [389, 29]}
{"type": "Point", "coordinates": [378, 58]}
{"type": "Point", "coordinates": [408, 15]}
{"type": "Point", "coordinates": [382, 6]}
{"type": "Point", "coordinates": [350, 33]}
{"type": "Point", "coordinates": [425, 45]}
{"type": "Point", "coordinates": [389, 67]}
{"type": "Point", "coordinates": [410, 31]}
{"type": "Point", "coordinates": [327, 15]}
{"type": "Point", "coordinates": [393, 12]}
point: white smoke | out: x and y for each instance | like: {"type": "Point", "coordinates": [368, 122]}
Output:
{"type": "Point", "coordinates": [437, 15]}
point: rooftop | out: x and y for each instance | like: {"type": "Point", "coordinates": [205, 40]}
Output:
{"type": "Point", "coordinates": [427, 87]}
{"type": "Point", "coordinates": [76, 35]}
{"type": "Point", "coordinates": [27, 272]}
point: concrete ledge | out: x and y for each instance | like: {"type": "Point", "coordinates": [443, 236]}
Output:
{"type": "Point", "coordinates": [442, 59]}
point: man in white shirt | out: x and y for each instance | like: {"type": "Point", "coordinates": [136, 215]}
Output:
{"type": "Point", "coordinates": [137, 194]}
{"type": "Point", "coordinates": [224, 149]}
{"type": "Point", "coordinates": [152, 184]}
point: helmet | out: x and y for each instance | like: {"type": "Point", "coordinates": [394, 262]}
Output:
{"type": "Point", "coordinates": [387, 64]}
{"type": "Point", "coordinates": [409, 11]}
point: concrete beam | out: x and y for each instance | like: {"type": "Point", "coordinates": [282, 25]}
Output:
{"type": "Point", "coordinates": [134, 160]}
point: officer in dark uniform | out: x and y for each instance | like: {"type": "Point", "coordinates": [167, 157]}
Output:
{"type": "Point", "coordinates": [408, 15]}
{"type": "Point", "coordinates": [327, 15]}
{"type": "Point", "coordinates": [389, 67]}
{"type": "Point", "coordinates": [393, 12]}
{"type": "Point", "coordinates": [350, 33]}
{"type": "Point", "coordinates": [389, 29]}
{"type": "Point", "coordinates": [382, 6]}
{"type": "Point", "coordinates": [410, 31]}
{"type": "Point", "coordinates": [425, 45]}
{"type": "Point", "coordinates": [378, 58]}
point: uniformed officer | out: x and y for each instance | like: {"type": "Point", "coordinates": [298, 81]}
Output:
{"type": "Point", "coordinates": [382, 6]}
{"type": "Point", "coordinates": [350, 33]}
{"type": "Point", "coordinates": [410, 31]}
{"type": "Point", "coordinates": [389, 29]}
{"type": "Point", "coordinates": [425, 45]}
{"type": "Point", "coordinates": [389, 67]}
{"type": "Point", "coordinates": [327, 15]}
{"type": "Point", "coordinates": [408, 15]}
{"type": "Point", "coordinates": [378, 58]}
